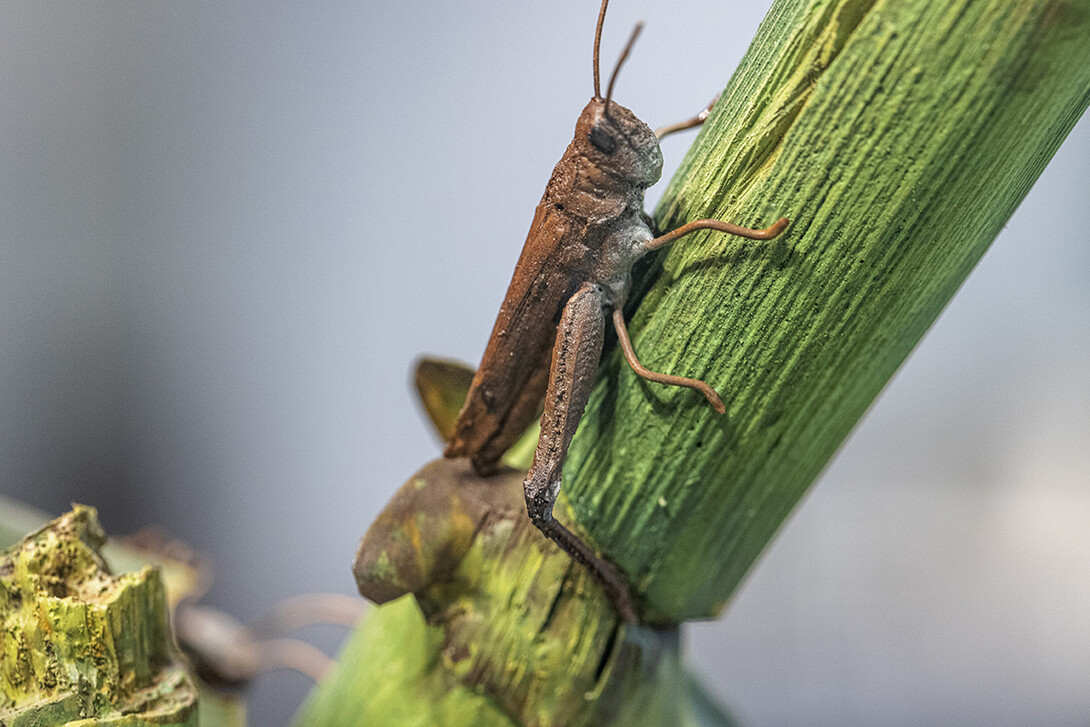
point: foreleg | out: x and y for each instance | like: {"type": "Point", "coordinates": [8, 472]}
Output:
{"type": "Point", "coordinates": [690, 123]}
{"type": "Point", "coordinates": [767, 233]}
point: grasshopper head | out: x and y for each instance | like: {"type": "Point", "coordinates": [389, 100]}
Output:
{"type": "Point", "coordinates": [618, 144]}
{"type": "Point", "coordinates": [609, 136]}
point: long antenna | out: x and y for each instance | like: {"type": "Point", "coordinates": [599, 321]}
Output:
{"type": "Point", "coordinates": [597, 43]}
{"type": "Point", "coordinates": [620, 61]}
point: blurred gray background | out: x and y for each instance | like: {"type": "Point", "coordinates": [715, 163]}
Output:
{"type": "Point", "coordinates": [228, 230]}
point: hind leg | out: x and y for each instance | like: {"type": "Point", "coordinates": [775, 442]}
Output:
{"type": "Point", "coordinates": [576, 353]}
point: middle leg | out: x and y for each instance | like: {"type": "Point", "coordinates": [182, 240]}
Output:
{"type": "Point", "coordinates": [630, 356]}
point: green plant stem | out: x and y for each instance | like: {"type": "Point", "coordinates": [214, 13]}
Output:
{"type": "Point", "coordinates": [80, 644]}
{"type": "Point", "coordinates": [899, 136]}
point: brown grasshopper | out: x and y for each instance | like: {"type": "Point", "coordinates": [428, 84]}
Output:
{"type": "Point", "coordinates": [588, 231]}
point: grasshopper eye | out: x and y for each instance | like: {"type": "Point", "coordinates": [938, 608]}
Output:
{"type": "Point", "coordinates": [602, 140]}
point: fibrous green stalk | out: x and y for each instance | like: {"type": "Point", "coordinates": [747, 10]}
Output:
{"type": "Point", "coordinates": [899, 137]}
